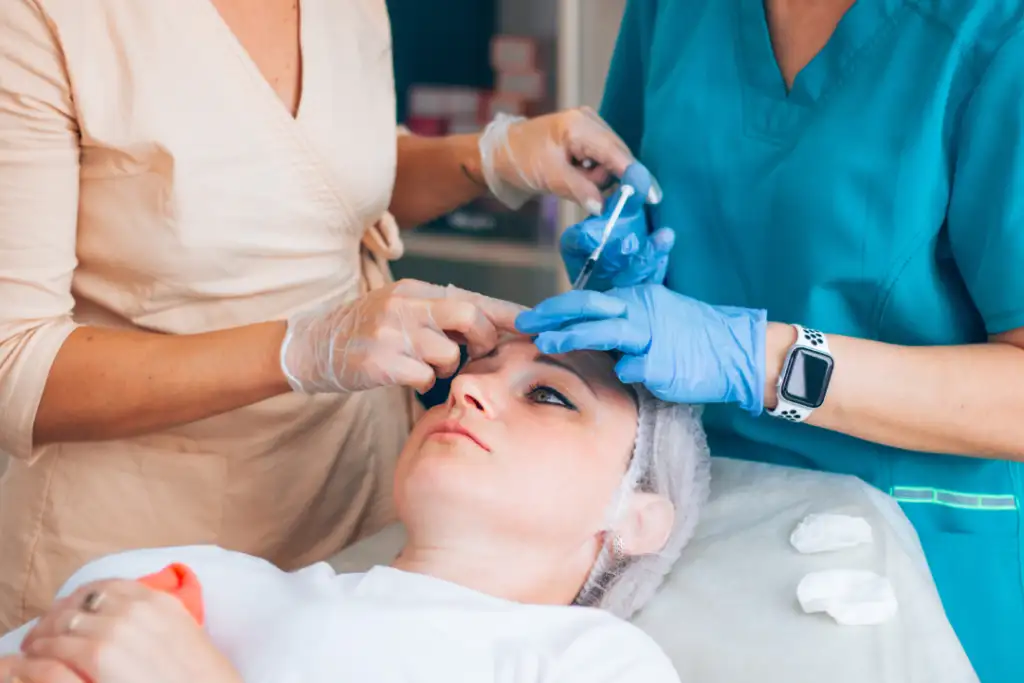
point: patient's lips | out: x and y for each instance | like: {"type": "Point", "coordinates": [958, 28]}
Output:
{"type": "Point", "coordinates": [453, 428]}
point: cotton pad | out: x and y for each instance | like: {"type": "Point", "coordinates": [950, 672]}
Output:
{"type": "Point", "coordinates": [821, 533]}
{"type": "Point", "coordinates": [852, 597]}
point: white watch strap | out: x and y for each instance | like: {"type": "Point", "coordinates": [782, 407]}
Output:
{"type": "Point", "coordinates": [808, 339]}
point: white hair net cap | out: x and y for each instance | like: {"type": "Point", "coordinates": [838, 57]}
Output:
{"type": "Point", "coordinates": [671, 459]}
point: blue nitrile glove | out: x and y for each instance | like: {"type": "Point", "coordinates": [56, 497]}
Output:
{"type": "Point", "coordinates": [632, 255]}
{"type": "Point", "coordinates": [681, 349]}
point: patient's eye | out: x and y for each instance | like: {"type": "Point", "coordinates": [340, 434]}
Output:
{"type": "Point", "coordinates": [540, 393]}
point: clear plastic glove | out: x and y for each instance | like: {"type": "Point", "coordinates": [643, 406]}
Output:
{"type": "Point", "coordinates": [405, 334]}
{"type": "Point", "coordinates": [632, 256]}
{"type": "Point", "coordinates": [526, 157]}
{"type": "Point", "coordinates": [134, 634]}
{"type": "Point", "coordinates": [681, 349]}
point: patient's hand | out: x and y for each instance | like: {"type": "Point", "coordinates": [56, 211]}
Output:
{"type": "Point", "coordinates": [6, 667]}
{"type": "Point", "coordinates": [21, 669]}
{"type": "Point", "coordinates": [130, 634]}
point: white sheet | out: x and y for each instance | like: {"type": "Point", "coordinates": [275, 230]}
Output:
{"type": "Point", "coordinates": [386, 626]}
{"type": "Point", "coordinates": [729, 611]}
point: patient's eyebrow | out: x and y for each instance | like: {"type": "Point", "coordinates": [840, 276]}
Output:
{"type": "Point", "coordinates": [565, 365]}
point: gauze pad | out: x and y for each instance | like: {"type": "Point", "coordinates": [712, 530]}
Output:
{"type": "Point", "coordinates": [821, 533]}
{"type": "Point", "coordinates": [850, 596]}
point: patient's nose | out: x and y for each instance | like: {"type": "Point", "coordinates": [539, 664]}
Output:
{"type": "Point", "coordinates": [470, 393]}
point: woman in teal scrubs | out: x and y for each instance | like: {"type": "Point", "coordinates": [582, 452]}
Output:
{"type": "Point", "coordinates": [876, 195]}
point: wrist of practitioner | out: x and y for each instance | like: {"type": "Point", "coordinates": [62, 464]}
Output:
{"type": "Point", "coordinates": [471, 160]}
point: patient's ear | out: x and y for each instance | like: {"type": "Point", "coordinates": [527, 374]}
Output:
{"type": "Point", "coordinates": [647, 524]}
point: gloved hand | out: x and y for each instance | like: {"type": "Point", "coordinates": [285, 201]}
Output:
{"type": "Point", "coordinates": [525, 157]}
{"type": "Point", "coordinates": [681, 349]}
{"type": "Point", "coordinates": [407, 334]}
{"type": "Point", "coordinates": [631, 256]}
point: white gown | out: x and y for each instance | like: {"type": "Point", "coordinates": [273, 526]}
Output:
{"type": "Point", "coordinates": [387, 626]}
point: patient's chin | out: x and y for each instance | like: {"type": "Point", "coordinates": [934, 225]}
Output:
{"type": "Point", "coordinates": [450, 468]}
{"type": "Point", "coordinates": [436, 463]}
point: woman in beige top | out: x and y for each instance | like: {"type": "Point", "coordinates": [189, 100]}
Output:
{"type": "Point", "coordinates": [199, 342]}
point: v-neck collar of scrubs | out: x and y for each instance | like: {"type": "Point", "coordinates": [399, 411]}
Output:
{"type": "Point", "coordinates": [861, 24]}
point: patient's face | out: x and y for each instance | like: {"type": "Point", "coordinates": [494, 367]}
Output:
{"type": "Point", "coordinates": [528, 447]}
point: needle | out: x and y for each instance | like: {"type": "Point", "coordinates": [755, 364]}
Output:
{"type": "Point", "coordinates": [626, 192]}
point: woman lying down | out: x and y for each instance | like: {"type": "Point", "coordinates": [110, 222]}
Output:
{"type": "Point", "coordinates": [544, 503]}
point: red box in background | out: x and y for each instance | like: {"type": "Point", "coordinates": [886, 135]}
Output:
{"type": "Point", "coordinates": [444, 100]}
{"type": "Point", "coordinates": [529, 85]}
{"type": "Point", "coordinates": [444, 109]}
{"type": "Point", "coordinates": [462, 126]}
{"type": "Point", "coordinates": [503, 103]}
{"type": "Point", "coordinates": [464, 103]}
{"type": "Point", "coordinates": [427, 101]}
{"type": "Point", "coordinates": [521, 71]}
{"type": "Point", "coordinates": [427, 126]}
{"type": "Point", "coordinates": [521, 89]}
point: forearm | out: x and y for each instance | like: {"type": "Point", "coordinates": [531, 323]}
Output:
{"type": "Point", "coordinates": [962, 400]}
{"type": "Point", "coordinates": [109, 384]}
{"type": "Point", "coordinates": [435, 176]}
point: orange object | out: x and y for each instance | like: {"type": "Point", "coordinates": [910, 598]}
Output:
{"type": "Point", "coordinates": [182, 583]}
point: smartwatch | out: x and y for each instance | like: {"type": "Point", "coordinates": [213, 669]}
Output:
{"type": "Point", "coordinates": [805, 376]}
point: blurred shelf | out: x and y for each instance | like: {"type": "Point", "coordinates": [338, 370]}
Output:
{"type": "Point", "coordinates": [481, 251]}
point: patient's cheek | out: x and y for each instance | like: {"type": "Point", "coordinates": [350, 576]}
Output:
{"type": "Point", "coordinates": [617, 429]}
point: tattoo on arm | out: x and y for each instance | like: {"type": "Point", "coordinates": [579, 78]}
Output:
{"type": "Point", "coordinates": [472, 178]}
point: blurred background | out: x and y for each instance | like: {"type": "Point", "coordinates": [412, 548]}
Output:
{"type": "Point", "coordinates": [457, 64]}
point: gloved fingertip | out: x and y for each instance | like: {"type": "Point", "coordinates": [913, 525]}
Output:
{"type": "Point", "coordinates": [654, 195]}
{"type": "Point", "coordinates": [639, 178]}
{"type": "Point", "coordinates": [558, 342]}
{"type": "Point", "coordinates": [528, 322]}
{"type": "Point", "coordinates": [630, 370]}
{"type": "Point", "coordinates": [546, 344]}
{"type": "Point", "coordinates": [630, 245]}
{"type": "Point", "coordinates": [664, 239]}
{"type": "Point", "coordinates": [593, 207]}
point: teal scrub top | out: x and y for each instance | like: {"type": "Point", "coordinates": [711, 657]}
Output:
{"type": "Point", "coordinates": [882, 197]}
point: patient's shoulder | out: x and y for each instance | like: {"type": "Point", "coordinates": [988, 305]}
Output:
{"type": "Point", "coordinates": [230, 583]}
{"type": "Point", "coordinates": [611, 650]}
{"type": "Point", "coordinates": [242, 595]}
{"type": "Point", "coordinates": [210, 564]}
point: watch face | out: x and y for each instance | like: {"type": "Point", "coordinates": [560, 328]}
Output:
{"type": "Point", "coordinates": [807, 376]}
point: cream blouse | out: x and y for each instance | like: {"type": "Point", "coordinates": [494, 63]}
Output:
{"type": "Point", "coordinates": [151, 179]}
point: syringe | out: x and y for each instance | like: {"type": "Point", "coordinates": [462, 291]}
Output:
{"type": "Point", "coordinates": [625, 192]}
